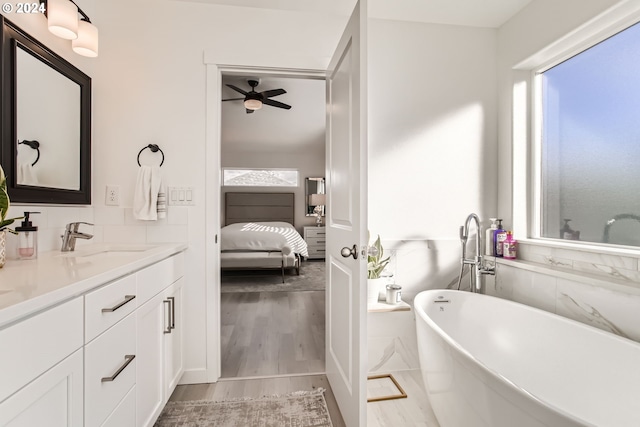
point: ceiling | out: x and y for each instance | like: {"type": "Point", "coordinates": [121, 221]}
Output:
{"type": "Point", "coordinates": [299, 129]}
{"type": "Point", "coordinates": [475, 13]}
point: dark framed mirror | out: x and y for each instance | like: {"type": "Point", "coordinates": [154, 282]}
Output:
{"type": "Point", "coordinates": [46, 122]}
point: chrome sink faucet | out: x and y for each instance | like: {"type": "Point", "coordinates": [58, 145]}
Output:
{"type": "Point", "coordinates": [476, 263]}
{"type": "Point", "coordinates": [70, 235]}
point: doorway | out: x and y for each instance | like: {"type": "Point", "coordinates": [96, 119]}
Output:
{"type": "Point", "coordinates": [272, 325]}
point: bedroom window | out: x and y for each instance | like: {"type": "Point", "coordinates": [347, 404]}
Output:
{"type": "Point", "coordinates": [588, 143]}
{"type": "Point", "coordinates": [236, 177]}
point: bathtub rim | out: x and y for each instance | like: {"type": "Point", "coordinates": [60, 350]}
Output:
{"type": "Point", "coordinates": [501, 378]}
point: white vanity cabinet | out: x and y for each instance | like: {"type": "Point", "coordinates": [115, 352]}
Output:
{"type": "Point", "coordinates": [111, 355]}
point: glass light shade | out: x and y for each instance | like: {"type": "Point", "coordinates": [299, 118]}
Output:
{"type": "Point", "coordinates": [62, 18]}
{"type": "Point", "coordinates": [87, 42]}
{"type": "Point", "coordinates": [253, 104]}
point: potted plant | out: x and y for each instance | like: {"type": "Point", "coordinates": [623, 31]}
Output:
{"type": "Point", "coordinates": [4, 221]}
{"type": "Point", "coordinates": [375, 265]}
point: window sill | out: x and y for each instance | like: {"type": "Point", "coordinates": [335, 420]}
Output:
{"type": "Point", "coordinates": [573, 245]}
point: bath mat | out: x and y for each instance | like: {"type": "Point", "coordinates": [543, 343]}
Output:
{"type": "Point", "coordinates": [299, 409]}
{"type": "Point", "coordinates": [312, 278]}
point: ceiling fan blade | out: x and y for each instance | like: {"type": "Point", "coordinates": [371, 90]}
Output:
{"type": "Point", "coordinates": [250, 111]}
{"type": "Point", "coordinates": [237, 89]}
{"type": "Point", "coordinates": [233, 99]}
{"type": "Point", "coordinates": [276, 104]}
{"type": "Point", "coordinates": [273, 92]}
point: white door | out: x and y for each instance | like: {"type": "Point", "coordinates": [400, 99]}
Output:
{"type": "Point", "coordinates": [347, 221]}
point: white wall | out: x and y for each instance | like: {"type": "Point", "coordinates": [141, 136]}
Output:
{"type": "Point", "coordinates": [432, 148]}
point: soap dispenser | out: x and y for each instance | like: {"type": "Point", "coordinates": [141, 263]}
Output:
{"type": "Point", "coordinates": [27, 238]}
{"type": "Point", "coordinates": [489, 245]}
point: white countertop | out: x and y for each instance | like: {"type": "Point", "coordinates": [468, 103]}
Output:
{"type": "Point", "coordinates": [27, 287]}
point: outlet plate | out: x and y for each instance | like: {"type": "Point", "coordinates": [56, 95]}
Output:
{"type": "Point", "coordinates": [112, 196]}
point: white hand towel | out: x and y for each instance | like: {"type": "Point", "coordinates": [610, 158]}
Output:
{"type": "Point", "coordinates": [145, 197]}
{"type": "Point", "coordinates": [27, 175]}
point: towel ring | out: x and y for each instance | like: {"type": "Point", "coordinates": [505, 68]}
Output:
{"type": "Point", "coordinates": [35, 145]}
{"type": "Point", "coordinates": [154, 149]}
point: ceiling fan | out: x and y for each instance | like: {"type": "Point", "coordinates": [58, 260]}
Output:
{"type": "Point", "coordinates": [254, 100]}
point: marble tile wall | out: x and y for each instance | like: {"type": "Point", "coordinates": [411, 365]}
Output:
{"type": "Point", "coordinates": [597, 289]}
{"type": "Point", "coordinates": [391, 341]}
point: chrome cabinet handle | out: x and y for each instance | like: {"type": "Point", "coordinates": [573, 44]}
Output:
{"type": "Point", "coordinates": [127, 359]}
{"type": "Point", "coordinates": [173, 312]}
{"type": "Point", "coordinates": [168, 330]}
{"type": "Point", "coordinates": [127, 298]}
{"type": "Point", "coordinates": [346, 252]}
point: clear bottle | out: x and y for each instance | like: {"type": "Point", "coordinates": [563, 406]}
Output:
{"type": "Point", "coordinates": [499, 237]}
{"type": "Point", "coordinates": [509, 250]}
{"type": "Point", "coordinates": [27, 238]}
{"type": "Point", "coordinates": [488, 243]}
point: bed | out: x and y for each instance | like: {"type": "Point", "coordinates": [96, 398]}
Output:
{"type": "Point", "coordinates": [259, 233]}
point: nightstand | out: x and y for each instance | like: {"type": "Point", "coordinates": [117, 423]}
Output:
{"type": "Point", "coordinates": [315, 238]}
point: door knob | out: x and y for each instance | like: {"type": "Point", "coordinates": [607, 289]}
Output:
{"type": "Point", "coordinates": [347, 252]}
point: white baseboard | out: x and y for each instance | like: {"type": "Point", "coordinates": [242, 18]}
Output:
{"type": "Point", "coordinates": [194, 376]}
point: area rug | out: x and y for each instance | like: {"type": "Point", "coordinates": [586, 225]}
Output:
{"type": "Point", "coordinates": [311, 278]}
{"type": "Point", "coordinates": [299, 409]}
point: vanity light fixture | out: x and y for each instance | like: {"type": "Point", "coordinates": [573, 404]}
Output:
{"type": "Point", "coordinates": [62, 17]}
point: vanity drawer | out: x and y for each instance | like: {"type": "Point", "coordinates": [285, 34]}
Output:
{"type": "Point", "coordinates": [109, 370]}
{"type": "Point", "coordinates": [34, 345]}
{"type": "Point", "coordinates": [108, 305]}
{"type": "Point", "coordinates": [125, 413]}
{"type": "Point", "coordinates": [157, 277]}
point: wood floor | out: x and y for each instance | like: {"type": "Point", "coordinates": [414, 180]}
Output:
{"type": "Point", "coordinates": [272, 333]}
{"type": "Point", "coordinates": [230, 389]}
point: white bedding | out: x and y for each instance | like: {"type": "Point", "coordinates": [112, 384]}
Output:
{"type": "Point", "coordinates": [262, 236]}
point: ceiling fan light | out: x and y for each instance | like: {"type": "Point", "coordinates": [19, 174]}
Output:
{"type": "Point", "coordinates": [62, 18]}
{"type": "Point", "coordinates": [87, 42]}
{"type": "Point", "coordinates": [252, 104]}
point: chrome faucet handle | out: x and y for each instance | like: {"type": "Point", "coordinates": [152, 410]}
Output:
{"type": "Point", "coordinates": [73, 226]}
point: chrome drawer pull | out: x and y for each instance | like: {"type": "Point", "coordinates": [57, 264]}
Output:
{"type": "Point", "coordinates": [127, 298]}
{"type": "Point", "coordinates": [173, 312]}
{"type": "Point", "coordinates": [168, 330]}
{"type": "Point", "coordinates": [127, 359]}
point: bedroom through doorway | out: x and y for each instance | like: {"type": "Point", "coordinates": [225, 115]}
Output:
{"type": "Point", "coordinates": [272, 298]}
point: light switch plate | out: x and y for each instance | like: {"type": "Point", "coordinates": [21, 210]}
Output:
{"type": "Point", "coordinates": [181, 196]}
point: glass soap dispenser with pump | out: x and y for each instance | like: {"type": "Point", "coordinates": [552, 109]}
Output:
{"type": "Point", "coordinates": [27, 238]}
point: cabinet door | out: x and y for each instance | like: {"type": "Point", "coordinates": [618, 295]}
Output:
{"type": "Point", "coordinates": [149, 364]}
{"type": "Point", "coordinates": [55, 399]}
{"type": "Point", "coordinates": [173, 341]}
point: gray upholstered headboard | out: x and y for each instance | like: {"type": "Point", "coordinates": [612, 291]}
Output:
{"type": "Point", "coordinates": [255, 207]}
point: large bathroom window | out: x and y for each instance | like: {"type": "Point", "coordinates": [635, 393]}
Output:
{"type": "Point", "coordinates": [589, 143]}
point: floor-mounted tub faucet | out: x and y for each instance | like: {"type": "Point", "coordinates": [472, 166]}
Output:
{"type": "Point", "coordinates": [476, 263]}
{"type": "Point", "coordinates": [70, 235]}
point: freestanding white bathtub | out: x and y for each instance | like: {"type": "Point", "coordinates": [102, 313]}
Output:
{"type": "Point", "coordinates": [496, 363]}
